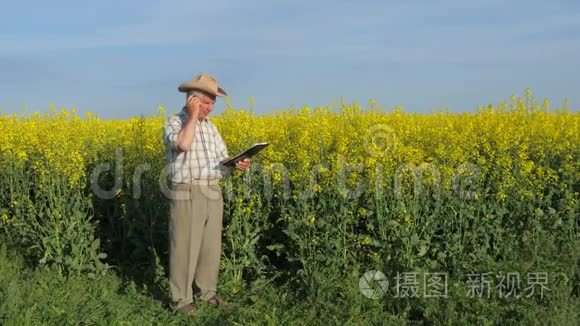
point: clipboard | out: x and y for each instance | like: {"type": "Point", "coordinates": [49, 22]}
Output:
{"type": "Point", "coordinates": [253, 150]}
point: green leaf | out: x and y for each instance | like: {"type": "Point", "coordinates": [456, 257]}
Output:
{"type": "Point", "coordinates": [95, 245]}
{"type": "Point", "coordinates": [276, 247]}
{"type": "Point", "coordinates": [392, 223]}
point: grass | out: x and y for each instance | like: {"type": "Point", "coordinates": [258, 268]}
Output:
{"type": "Point", "coordinates": [36, 296]}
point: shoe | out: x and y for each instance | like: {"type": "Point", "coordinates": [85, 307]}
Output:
{"type": "Point", "coordinates": [214, 300]}
{"type": "Point", "coordinates": [188, 310]}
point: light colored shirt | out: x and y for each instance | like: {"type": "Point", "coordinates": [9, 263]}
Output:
{"type": "Point", "coordinates": [202, 159]}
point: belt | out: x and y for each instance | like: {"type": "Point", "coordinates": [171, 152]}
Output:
{"type": "Point", "coordinates": [205, 181]}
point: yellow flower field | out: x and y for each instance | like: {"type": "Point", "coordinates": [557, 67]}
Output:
{"type": "Point", "coordinates": [338, 192]}
{"type": "Point", "coordinates": [496, 140]}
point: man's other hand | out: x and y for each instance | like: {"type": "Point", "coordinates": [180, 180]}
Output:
{"type": "Point", "coordinates": [243, 165]}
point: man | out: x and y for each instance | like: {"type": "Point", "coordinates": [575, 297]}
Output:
{"type": "Point", "coordinates": [194, 149]}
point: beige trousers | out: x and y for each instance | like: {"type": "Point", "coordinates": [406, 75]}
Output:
{"type": "Point", "coordinates": [195, 236]}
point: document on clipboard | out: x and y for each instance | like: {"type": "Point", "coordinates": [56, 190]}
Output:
{"type": "Point", "coordinates": [253, 150]}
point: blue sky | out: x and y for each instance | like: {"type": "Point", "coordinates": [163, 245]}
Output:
{"type": "Point", "coordinates": [124, 58]}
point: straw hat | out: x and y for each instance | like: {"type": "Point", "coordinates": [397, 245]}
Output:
{"type": "Point", "coordinates": [204, 82]}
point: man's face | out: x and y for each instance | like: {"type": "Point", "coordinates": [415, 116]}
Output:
{"type": "Point", "coordinates": [205, 106]}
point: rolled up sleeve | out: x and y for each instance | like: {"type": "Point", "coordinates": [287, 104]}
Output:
{"type": "Point", "coordinates": [170, 131]}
